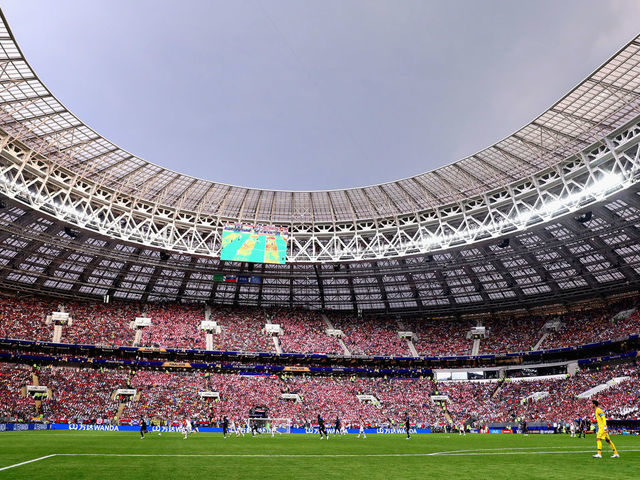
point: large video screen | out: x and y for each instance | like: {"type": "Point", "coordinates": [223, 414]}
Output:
{"type": "Point", "coordinates": [254, 243]}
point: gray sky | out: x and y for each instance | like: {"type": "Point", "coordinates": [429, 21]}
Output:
{"type": "Point", "coordinates": [295, 94]}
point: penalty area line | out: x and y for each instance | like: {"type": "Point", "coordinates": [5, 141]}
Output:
{"type": "Point", "coordinates": [28, 461]}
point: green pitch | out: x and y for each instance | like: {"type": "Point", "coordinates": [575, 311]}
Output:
{"type": "Point", "coordinates": [122, 455]}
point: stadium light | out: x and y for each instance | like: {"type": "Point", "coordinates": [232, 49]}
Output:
{"type": "Point", "coordinates": [597, 191]}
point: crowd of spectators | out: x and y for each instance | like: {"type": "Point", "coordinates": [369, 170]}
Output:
{"type": "Point", "coordinates": [174, 326]}
{"type": "Point", "coordinates": [505, 402]}
{"type": "Point", "coordinates": [243, 329]}
{"type": "Point", "coordinates": [104, 324]}
{"type": "Point", "coordinates": [25, 318]}
{"type": "Point", "coordinates": [370, 336]}
{"type": "Point", "coordinates": [81, 395]}
{"type": "Point", "coordinates": [511, 334]}
{"type": "Point", "coordinates": [438, 337]}
{"type": "Point", "coordinates": [166, 396]}
{"type": "Point", "coordinates": [593, 326]}
{"type": "Point", "coordinates": [14, 405]}
{"type": "Point", "coordinates": [304, 332]}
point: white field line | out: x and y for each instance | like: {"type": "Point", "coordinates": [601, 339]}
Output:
{"type": "Point", "coordinates": [28, 461]}
{"type": "Point", "coordinates": [476, 452]}
{"type": "Point", "coordinates": [322, 455]}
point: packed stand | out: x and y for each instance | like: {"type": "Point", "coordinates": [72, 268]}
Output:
{"type": "Point", "coordinates": [475, 400]}
{"type": "Point", "coordinates": [100, 324]}
{"type": "Point", "coordinates": [174, 326]}
{"type": "Point", "coordinates": [81, 395]}
{"type": "Point", "coordinates": [13, 404]}
{"type": "Point", "coordinates": [87, 395]}
{"type": "Point", "coordinates": [303, 332]}
{"type": "Point", "coordinates": [166, 396]}
{"type": "Point", "coordinates": [242, 330]}
{"type": "Point", "coordinates": [511, 335]}
{"type": "Point", "coordinates": [370, 336]}
{"type": "Point", "coordinates": [440, 337]}
{"type": "Point", "coordinates": [25, 318]}
{"type": "Point", "coordinates": [591, 327]}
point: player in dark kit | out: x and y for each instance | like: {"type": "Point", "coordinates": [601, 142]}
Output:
{"type": "Point", "coordinates": [321, 428]}
{"type": "Point", "coordinates": [336, 428]}
{"type": "Point", "coordinates": [407, 426]}
{"type": "Point", "coordinates": [225, 426]}
{"type": "Point", "coordinates": [579, 426]}
{"type": "Point", "coordinates": [584, 427]}
{"type": "Point", "coordinates": [143, 428]}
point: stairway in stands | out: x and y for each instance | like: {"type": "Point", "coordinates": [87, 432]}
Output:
{"type": "Point", "coordinates": [476, 347]}
{"type": "Point", "coordinates": [276, 340]}
{"type": "Point", "coordinates": [539, 343]}
{"type": "Point", "coordinates": [496, 392]}
{"type": "Point", "coordinates": [603, 386]}
{"type": "Point", "coordinates": [410, 345]}
{"type": "Point", "coordinates": [328, 323]}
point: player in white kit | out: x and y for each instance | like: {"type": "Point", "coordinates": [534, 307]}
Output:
{"type": "Point", "coordinates": [187, 429]}
{"type": "Point", "coordinates": [274, 429]}
{"type": "Point", "coordinates": [361, 431]}
{"type": "Point", "coordinates": [236, 428]}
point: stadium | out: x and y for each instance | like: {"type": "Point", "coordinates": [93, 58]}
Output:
{"type": "Point", "coordinates": [476, 310]}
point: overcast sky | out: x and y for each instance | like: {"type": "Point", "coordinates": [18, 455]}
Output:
{"type": "Point", "coordinates": [313, 94]}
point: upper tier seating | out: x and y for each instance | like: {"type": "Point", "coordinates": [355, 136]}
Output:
{"type": "Point", "coordinates": [242, 329]}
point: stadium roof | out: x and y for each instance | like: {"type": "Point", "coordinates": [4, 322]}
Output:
{"type": "Point", "coordinates": [558, 262]}
{"type": "Point", "coordinates": [604, 101]}
{"type": "Point", "coordinates": [547, 215]}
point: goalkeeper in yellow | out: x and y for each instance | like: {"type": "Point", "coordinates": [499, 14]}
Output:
{"type": "Point", "coordinates": [603, 433]}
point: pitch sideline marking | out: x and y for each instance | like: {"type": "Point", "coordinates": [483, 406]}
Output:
{"type": "Point", "coordinates": [256, 455]}
{"type": "Point", "coordinates": [28, 461]}
{"type": "Point", "coordinates": [320, 455]}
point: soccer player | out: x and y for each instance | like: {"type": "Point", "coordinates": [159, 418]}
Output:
{"type": "Point", "coordinates": [254, 428]}
{"type": "Point", "coordinates": [225, 426]}
{"type": "Point", "coordinates": [187, 428]}
{"type": "Point", "coordinates": [236, 428]}
{"type": "Point", "coordinates": [274, 430]}
{"type": "Point", "coordinates": [407, 426]}
{"type": "Point", "coordinates": [585, 426]}
{"type": "Point", "coordinates": [143, 428]}
{"type": "Point", "coordinates": [336, 428]}
{"type": "Point", "coordinates": [603, 433]}
{"type": "Point", "coordinates": [361, 431]}
{"type": "Point", "coordinates": [321, 428]}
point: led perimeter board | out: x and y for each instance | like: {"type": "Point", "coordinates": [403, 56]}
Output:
{"type": "Point", "coordinates": [254, 243]}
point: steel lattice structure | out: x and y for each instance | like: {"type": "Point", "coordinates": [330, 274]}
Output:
{"type": "Point", "coordinates": [434, 242]}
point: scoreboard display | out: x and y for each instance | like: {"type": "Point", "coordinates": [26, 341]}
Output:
{"type": "Point", "coordinates": [254, 243]}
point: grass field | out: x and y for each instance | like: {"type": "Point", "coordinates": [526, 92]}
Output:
{"type": "Point", "coordinates": [122, 455]}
